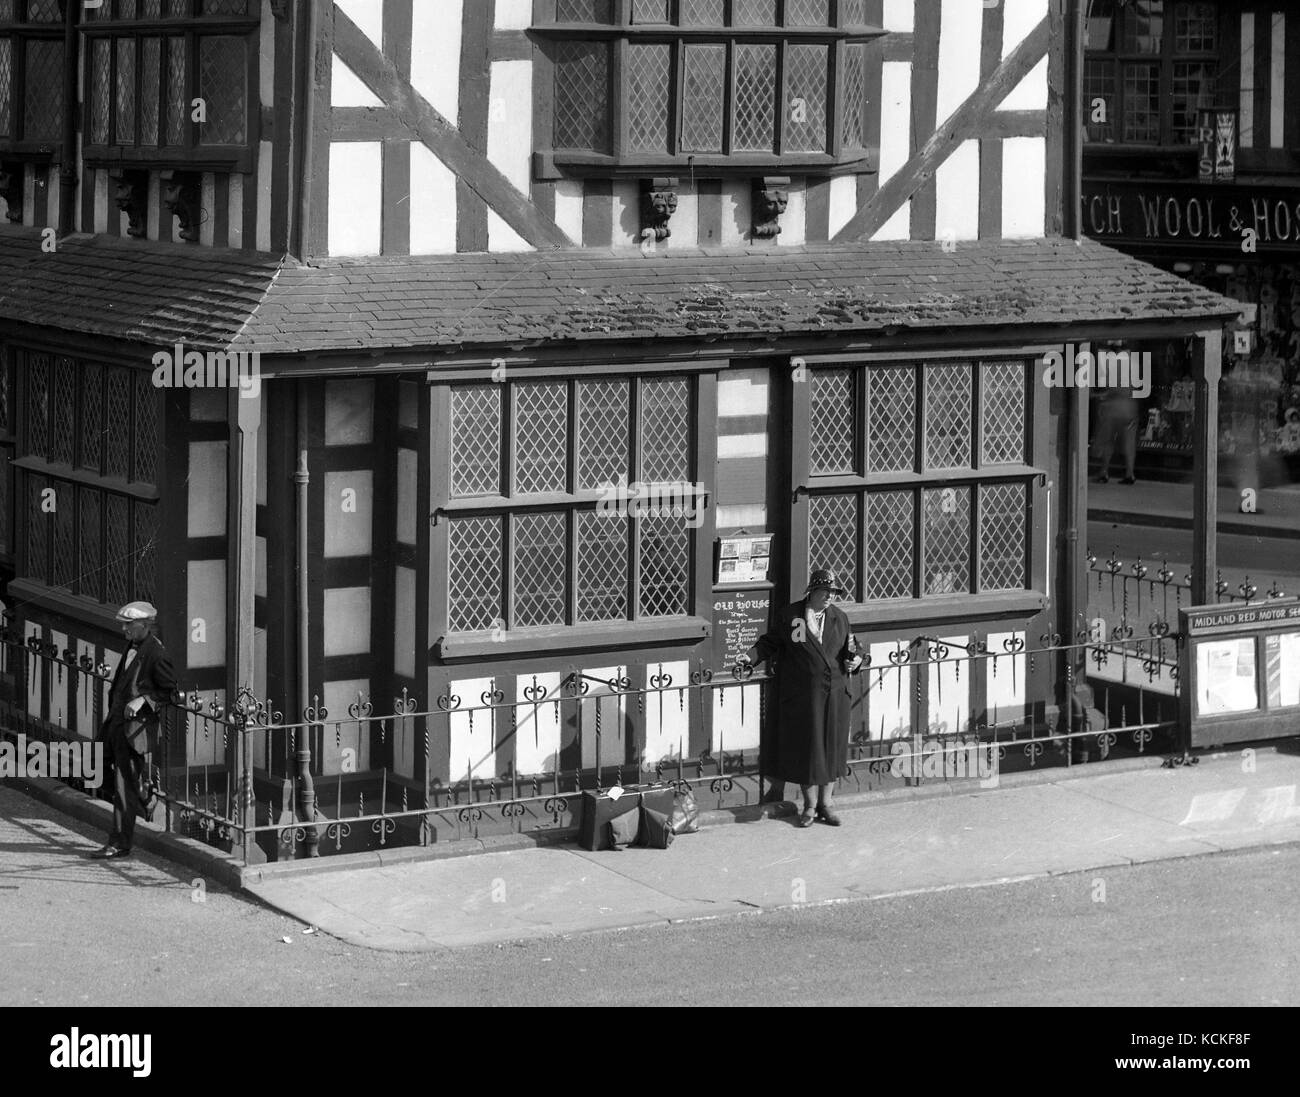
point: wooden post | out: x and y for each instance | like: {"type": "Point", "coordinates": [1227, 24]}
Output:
{"type": "Point", "coordinates": [1207, 365]}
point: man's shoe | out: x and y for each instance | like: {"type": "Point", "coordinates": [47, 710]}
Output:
{"type": "Point", "coordinates": [806, 819]}
{"type": "Point", "coordinates": [109, 853]}
{"type": "Point", "coordinates": [1102, 480]}
{"type": "Point", "coordinates": [1129, 480]}
{"type": "Point", "coordinates": [825, 815]}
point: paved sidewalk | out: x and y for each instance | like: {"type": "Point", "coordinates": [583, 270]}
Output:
{"type": "Point", "coordinates": [1169, 506]}
{"type": "Point", "coordinates": [1121, 814]}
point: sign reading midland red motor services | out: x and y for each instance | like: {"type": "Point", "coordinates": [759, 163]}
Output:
{"type": "Point", "coordinates": [1193, 218]}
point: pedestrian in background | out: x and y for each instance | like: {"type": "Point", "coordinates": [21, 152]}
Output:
{"type": "Point", "coordinates": [1117, 428]}
{"type": "Point", "coordinates": [815, 651]}
{"type": "Point", "coordinates": [142, 686]}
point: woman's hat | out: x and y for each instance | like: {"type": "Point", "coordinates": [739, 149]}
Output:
{"type": "Point", "coordinates": [824, 580]}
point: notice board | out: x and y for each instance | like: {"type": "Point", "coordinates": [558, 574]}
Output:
{"type": "Point", "coordinates": [1240, 669]}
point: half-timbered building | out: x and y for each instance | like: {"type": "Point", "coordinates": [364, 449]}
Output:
{"type": "Point", "coordinates": [513, 362]}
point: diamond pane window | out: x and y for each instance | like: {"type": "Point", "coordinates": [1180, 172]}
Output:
{"type": "Point", "coordinates": [476, 441]}
{"type": "Point", "coordinates": [90, 504]}
{"type": "Point", "coordinates": [63, 559]}
{"type": "Point", "coordinates": [145, 435]}
{"type": "Point", "coordinates": [805, 97]}
{"type": "Point", "coordinates": [807, 13]}
{"type": "Point", "coordinates": [582, 96]}
{"type": "Point", "coordinates": [117, 549]}
{"type": "Point", "coordinates": [90, 437]}
{"type": "Point", "coordinates": [833, 425]}
{"type": "Point", "coordinates": [117, 407]}
{"type": "Point", "coordinates": [854, 12]}
{"type": "Point", "coordinates": [1003, 413]}
{"type": "Point", "coordinates": [44, 11]}
{"type": "Point", "coordinates": [891, 419]}
{"type": "Point", "coordinates": [38, 530]}
{"type": "Point", "coordinates": [755, 98]}
{"type": "Point", "coordinates": [145, 524]}
{"type": "Point", "coordinates": [38, 405]}
{"type": "Point", "coordinates": [150, 9]}
{"type": "Point", "coordinates": [176, 9]}
{"type": "Point", "coordinates": [150, 81]}
{"type": "Point", "coordinates": [833, 538]}
{"type": "Point", "coordinates": [102, 94]}
{"type": "Point", "coordinates": [754, 13]}
{"type": "Point", "coordinates": [222, 85]}
{"type": "Point", "coordinates": [541, 437]}
{"type": "Point", "coordinates": [65, 408]}
{"type": "Point", "coordinates": [702, 13]}
{"type": "Point", "coordinates": [1003, 518]}
{"type": "Point", "coordinates": [947, 538]}
{"type": "Point", "coordinates": [584, 11]}
{"type": "Point", "coordinates": [650, 11]}
{"type": "Point", "coordinates": [648, 70]}
{"type": "Point", "coordinates": [43, 90]}
{"type": "Point", "coordinates": [853, 126]}
{"type": "Point", "coordinates": [948, 416]}
{"type": "Point", "coordinates": [6, 80]}
{"type": "Point", "coordinates": [891, 544]}
{"type": "Point", "coordinates": [539, 544]}
{"type": "Point", "coordinates": [475, 573]}
{"type": "Point", "coordinates": [225, 7]}
{"type": "Point", "coordinates": [174, 94]}
{"type": "Point", "coordinates": [603, 434]}
{"type": "Point", "coordinates": [6, 11]}
{"type": "Point", "coordinates": [125, 91]}
{"type": "Point", "coordinates": [704, 95]}
{"type": "Point", "coordinates": [665, 430]}
{"type": "Point", "coordinates": [665, 567]}
{"type": "Point", "coordinates": [602, 566]}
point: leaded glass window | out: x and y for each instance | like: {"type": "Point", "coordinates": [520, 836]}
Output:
{"type": "Point", "coordinates": [31, 74]}
{"type": "Point", "coordinates": [88, 487]}
{"type": "Point", "coordinates": [942, 506]}
{"type": "Point", "coordinates": [568, 543]}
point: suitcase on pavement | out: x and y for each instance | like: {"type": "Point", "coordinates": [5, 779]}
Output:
{"type": "Point", "coordinates": [600, 808]}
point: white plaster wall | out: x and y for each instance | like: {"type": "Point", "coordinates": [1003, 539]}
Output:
{"type": "Point", "coordinates": [355, 182]}
{"type": "Point", "coordinates": [1024, 187]}
{"type": "Point", "coordinates": [895, 138]}
{"type": "Point", "coordinates": [1021, 17]}
{"type": "Point", "coordinates": [957, 194]}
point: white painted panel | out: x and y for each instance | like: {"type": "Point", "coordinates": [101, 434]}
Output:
{"type": "Point", "coordinates": [207, 490]}
{"type": "Point", "coordinates": [949, 701]}
{"type": "Point", "coordinates": [234, 212]}
{"type": "Point", "coordinates": [744, 517]}
{"type": "Point", "coordinates": [568, 209]}
{"type": "Point", "coordinates": [29, 195]}
{"type": "Point", "coordinates": [794, 223]}
{"type": "Point", "coordinates": [1024, 187]}
{"type": "Point", "coordinates": [259, 566]}
{"type": "Point", "coordinates": [742, 445]}
{"type": "Point", "coordinates": [627, 213]}
{"type": "Point", "coordinates": [959, 55]}
{"type": "Point", "coordinates": [407, 469]}
{"type": "Point", "coordinates": [347, 621]}
{"type": "Point", "coordinates": [1019, 17]}
{"type": "Point", "coordinates": [205, 613]}
{"type": "Point", "coordinates": [1031, 92]}
{"type": "Point", "coordinates": [472, 742]}
{"type": "Point", "coordinates": [898, 15]}
{"type": "Point", "coordinates": [433, 204]}
{"type": "Point", "coordinates": [685, 224]}
{"type": "Point", "coordinates": [84, 716]}
{"type": "Point", "coordinates": [404, 620]}
{"type": "Point", "coordinates": [843, 202]}
{"type": "Point", "coordinates": [349, 412]}
{"type": "Point", "coordinates": [538, 734]}
{"type": "Point", "coordinates": [739, 396]}
{"type": "Point", "coordinates": [736, 719]}
{"type": "Point", "coordinates": [368, 15]}
{"type": "Point", "coordinates": [435, 54]}
{"type": "Point", "coordinates": [1246, 63]}
{"type": "Point", "coordinates": [502, 238]}
{"type": "Point", "coordinates": [404, 746]}
{"type": "Point", "coordinates": [203, 745]}
{"type": "Point", "coordinates": [266, 60]}
{"type": "Point", "coordinates": [355, 208]}
{"type": "Point", "coordinates": [737, 211]}
{"type": "Point", "coordinates": [59, 715]}
{"type": "Point", "coordinates": [614, 729]}
{"type": "Point", "coordinates": [1277, 82]}
{"type": "Point", "coordinates": [510, 121]}
{"type": "Point", "coordinates": [345, 738]}
{"type": "Point", "coordinates": [896, 116]}
{"type": "Point", "coordinates": [667, 721]}
{"type": "Point", "coordinates": [957, 194]}
{"type": "Point", "coordinates": [899, 226]}
{"type": "Point", "coordinates": [264, 197]}
{"type": "Point", "coordinates": [1005, 679]}
{"type": "Point", "coordinates": [349, 512]}
{"type": "Point", "coordinates": [514, 14]}
{"type": "Point", "coordinates": [889, 695]}
{"type": "Point", "coordinates": [347, 90]}
{"type": "Point", "coordinates": [151, 225]}
{"type": "Point", "coordinates": [208, 200]}
{"type": "Point", "coordinates": [101, 201]}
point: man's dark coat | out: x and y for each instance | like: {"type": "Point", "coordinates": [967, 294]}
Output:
{"type": "Point", "coordinates": [150, 676]}
{"type": "Point", "coordinates": [807, 741]}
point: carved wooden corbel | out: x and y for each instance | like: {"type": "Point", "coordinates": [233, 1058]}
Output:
{"type": "Point", "coordinates": [11, 190]}
{"type": "Point", "coordinates": [131, 195]}
{"type": "Point", "coordinates": [770, 201]}
{"type": "Point", "coordinates": [180, 194]}
{"type": "Point", "coordinates": [658, 204]}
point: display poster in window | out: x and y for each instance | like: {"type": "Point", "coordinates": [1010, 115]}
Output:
{"type": "Point", "coordinates": [746, 559]}
{"type": "Point", "coordinates": [1282, 669]}
{"type": "Point", "coordinates": [1226, 676]}
{"type": "Point", "coordinates": [739, 619]}
{"type": "Point", "coordinates": [1216, 135]}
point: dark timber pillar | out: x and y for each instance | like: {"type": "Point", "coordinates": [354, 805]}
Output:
{"type": "Point", "coordinates": [1207, 365]}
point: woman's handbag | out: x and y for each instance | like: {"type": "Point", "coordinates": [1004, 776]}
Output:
{"type": "Point", "coordinates": [685, 818]}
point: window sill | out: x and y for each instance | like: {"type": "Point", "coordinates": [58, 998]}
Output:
{"type": "Point", "coordinates": [554, 638]}
{"type": "Point", "coordinates": [28, 592]}
{"type": "Point", "coordinates": [553, 164]}
{"type": "Point", "coordinates": [217, 158]}
{"type": "Point", "coordinates": [146, 492]}
{"type": "Point", "coordinates": [947, 609]}
{"type": "Point", "coordinates": [33, 152]}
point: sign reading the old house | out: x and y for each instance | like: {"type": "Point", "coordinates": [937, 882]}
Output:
{"type": "Point", "coordinates": [739, 619]}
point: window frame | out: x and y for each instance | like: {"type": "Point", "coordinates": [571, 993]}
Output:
{"type": "Point", "coordinates": [1116, 60]}
{"type": "Point", "coordinates": [551, 162]}
{"type": "Point", "coordinates": [192, 28]}
{"type": "Point", "coordinates": [20, 31]}
{"type": "Point", "coordinates": [634, 631]}
{"type": "Point", "coordinates": [1033, 473]}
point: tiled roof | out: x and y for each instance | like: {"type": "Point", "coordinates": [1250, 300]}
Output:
{"type": "Point", "coordinates": [132, 290]}
{"type": "Point", "coordinates": [163, 293]}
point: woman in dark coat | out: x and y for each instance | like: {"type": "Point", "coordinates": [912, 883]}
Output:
{"type": "Point", "coordinates": [815, 651]}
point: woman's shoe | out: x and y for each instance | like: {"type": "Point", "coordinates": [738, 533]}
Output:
{"type": "Point", "coordinates": [806, 819]}
{"type": "Point", "coordinates": [828, 817]}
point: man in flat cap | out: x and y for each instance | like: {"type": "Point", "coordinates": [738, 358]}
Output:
{"type": "Point", "coordinates": [142, 686]}
{"type": "Point", "coordinates": [815, 652]}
